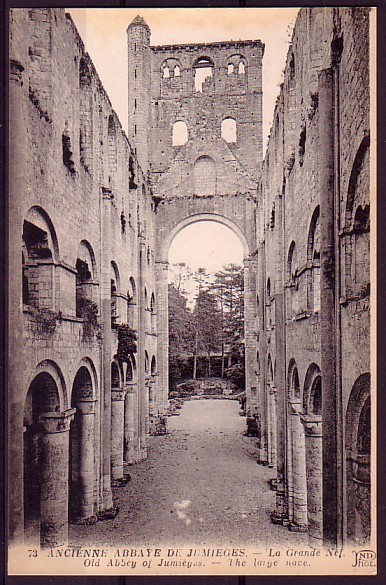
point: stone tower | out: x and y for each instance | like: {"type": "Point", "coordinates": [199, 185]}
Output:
{"type": "Point", "coordinates": [138, 40]}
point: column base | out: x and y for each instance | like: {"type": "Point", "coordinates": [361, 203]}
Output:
{"type": "Point", "coordinates": [293, 527]}
{"type": "Point", "coordinates": [88, 521]}
{"type": "Point", "coordinates": [281, 519]}
{"type": "Point", "coordinates": [108, 514]}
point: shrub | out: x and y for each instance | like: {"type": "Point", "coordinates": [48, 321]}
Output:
{"type": "Point", "coordinates": [127, 346]}
{"type": "Point", "coordinates": [88, 311]}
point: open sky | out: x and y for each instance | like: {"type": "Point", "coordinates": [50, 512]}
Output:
{"type": "Point", "coordinates": [204, 244]}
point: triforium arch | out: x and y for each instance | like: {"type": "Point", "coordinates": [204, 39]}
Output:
{"type": "Point", "coordinates": [166, 235]}
{"type": "Point", "coordinates": [358, 451]}
{"type": "Point", "coordinates": [46, 459]}
{"type": "Point", "coordinates": [82, 470]}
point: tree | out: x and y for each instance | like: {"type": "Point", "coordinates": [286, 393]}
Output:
{"type": "Point", "coordinates": [208, 326]}
{"type": "Point", "coordinates": [181, 273]}
{"type": "Point", "coordinates": [228, 287]}
{"type": "Point", "coordinates": [181, 334]}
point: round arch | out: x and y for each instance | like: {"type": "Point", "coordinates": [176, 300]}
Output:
{"type": "Point", "coordinates": [312, 390]}
{"type": "Point", "coordinates": [202, 217]}
{"type": "Point", "coordinates": [86, 369]}
{"type": "Point", "coordinates": [51, 368]}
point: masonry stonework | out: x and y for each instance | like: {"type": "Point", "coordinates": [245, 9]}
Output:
{"type": "Point", "coordinates": [94, 213]}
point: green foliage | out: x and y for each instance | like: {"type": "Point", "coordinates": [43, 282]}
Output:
{"type": "Point", "coordinates": [127, 346]}
{"type": "Point", "coordinates": [88, 312]}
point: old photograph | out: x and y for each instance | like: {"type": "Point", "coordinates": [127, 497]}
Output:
{"type": "Point", "coordinates": [191, 347]}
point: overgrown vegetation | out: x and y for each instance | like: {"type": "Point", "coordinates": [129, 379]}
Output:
{"type": "Point", "coordinates": [88, 312]}
{"type": "Point", "coordinates": [45, 319]}
{"type": "Point", "coordinates": [127, 346]}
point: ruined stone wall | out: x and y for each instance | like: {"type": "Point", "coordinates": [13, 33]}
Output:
{"type": "Point", "coordinates": [76, 179]}
{"type": "Point", "coordinates": [289, 229]}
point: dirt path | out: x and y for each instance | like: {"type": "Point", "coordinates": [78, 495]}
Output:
{"type": "Point", "coordinates": [200, 485]}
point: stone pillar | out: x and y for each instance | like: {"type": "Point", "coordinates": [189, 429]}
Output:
{"type": "Point", "coordinates": [299, 520]}
{"type": "Point", "coordinates": [152, 402]}
{"type": "Point", "coordinates": [147, 411]}
{"type": "Point", "coordinates": [143, 397]}
{"type": "Point", "coordinates": [250, 267]}
{"type": "Point", "coordinates": [272, 422]}
{"type": "Point", "coordinates": [107, 199]}
{"type": "Point", "coordinates": [314, 473]}
{"type": "Point", "coordinates": [332, 513]}
{"type": "Point", "coordinates": [130, 449]}
{"type": "Point", "coordinates": [280, 369]}
{"type": "Point", "coordinates": [86, 478]}
{"type": "Point", "coordinates": [163, 334]}
{"type": "Point", "coordinates": [16, 393]}
{"type": "Point", "coordinates": [262, 400]}
{"type": "Point", "coordinates": [54, 474]}
{"type": "Point", "coordinates": [117, 432]}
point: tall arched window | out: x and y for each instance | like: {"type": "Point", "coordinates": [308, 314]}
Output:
{"type": "Point", "coordinates": [39, 249]}
{"type": "Point", "coordinates": [114, 290]}
{"type": "Point", "coordinates": [204, 176]}
{"type": "Point", "coordinates": [268, 319]}
{"type": "Point", "coordinates": [85, 116]}
{"type": "Point", "coordinates": [356, 239]}
{"type": "Point", "coordinates": [180, 133]}
{"type": "Point", "coordinates": [203, 72]}
{"type": "Point", "coordinates": [131, 302]}
{"type": "Point", "coordinates": [228, 130]}
{"type": "Point", "coordinates": [313, 261]}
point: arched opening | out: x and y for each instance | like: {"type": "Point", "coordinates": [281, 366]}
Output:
{"type": "Point", "coordinates": [85, 115]}
{"type": "Point", "coordinates": [358, 461]}
{"type": "Point", "coordinates": [296, 451]}
{"type": "Point", "coordinates": [229, 130]}
{"type": "Point", "coordinates": [356, 240]}
{"type": "Point", "coordinates": [180, 133]}
{"type": "Point", "coordinates": [39, 253]}
{"type": "Point", "coordinates": [268, 305]}
{"type": "Point", "coordinates": [115, 376]}
{"type": "Point", "coordinates": [131, 303]}
{"type": "Point", "coordinates": [85, 280]}
{"type": "Point", "coordinates": [129, 372]}
{"type": "Point", "coordinates": [313, 261]}
{"type": "Point", "coordinates": [312, 391]}
{"type": "Point", "coordinates": [153, 316]}
{"type": "Point", "coordinates": [204, 176]}
{"type": "Point", "coordinates": [146, 362]}
{"type": "Point", "coordinates": [206, 276]}
{"type": "Point", "coordinates": [237, 65]}
{"type": "Point", "coordinates": [42, 398]}
{"type": "Point", "coordinates": [82, 444]}
{"type": "Point", "coordinates": [153, 367]}
{"type": "Point", "coordinates": [114, 290]}
{"type": "Point", "coordinates": [203, 69]}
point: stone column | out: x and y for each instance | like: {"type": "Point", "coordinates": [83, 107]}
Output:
{"type": "Point", "coordinates": [107, 199]}
{"type": "Point", "coordinates": [299, 521]}
{"type": "Point", "coordinates": [163, 334]}
{"type": "Point", "coordinates": [272, 426]}
{"type": "Point", "coordinates": [147, 411]}
{"type": "Point", "coordinates": [141, 343]}
{"type": "Point", "coordinates": [314, 473]}
{"type": "Point", "coordinates": [18, 147]}
{"type": "Point", "coordinates": [250, 267]}
{"type": "Point", "coordinates": [130, 449]}
{"type": "Point", "coordinates": [54, 474]}
{"type": "Point", "coordinates": [86, 479]}
{"type": "Point", "coordinates": [332, 423]}
{"type": "Point", "coordinates": [117, 432]}
{"type": "Point", "coordinates": [262, 400]}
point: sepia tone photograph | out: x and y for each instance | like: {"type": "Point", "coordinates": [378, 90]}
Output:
{"type": "Point", "coordinates": [191, 385]}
